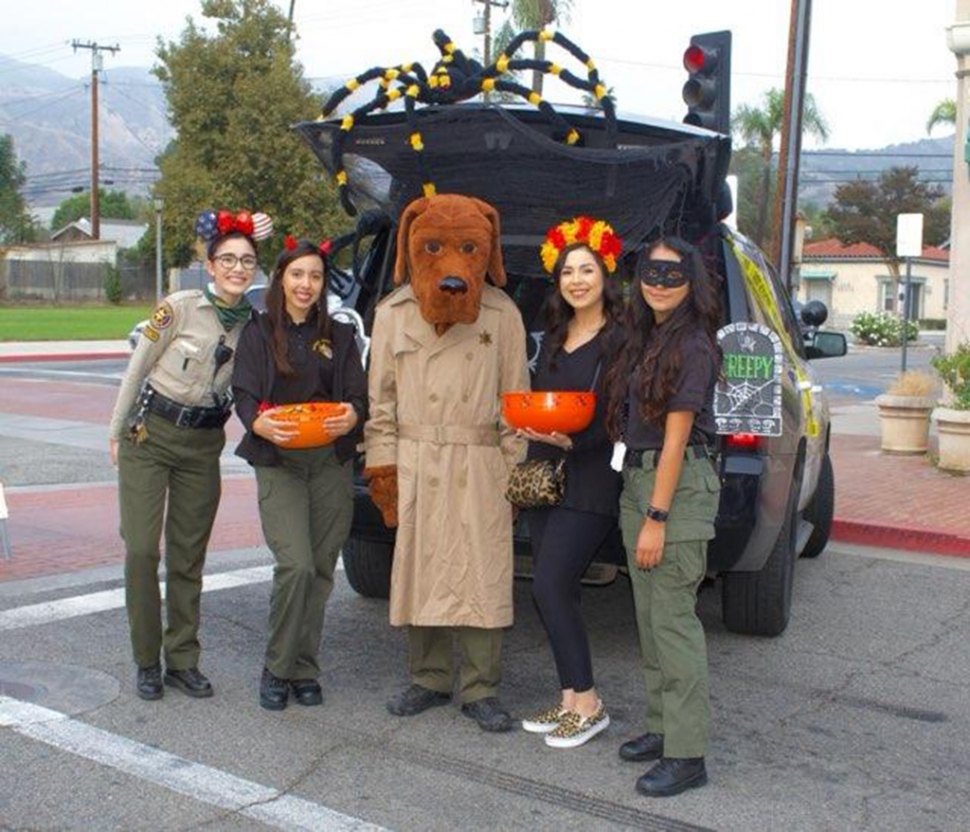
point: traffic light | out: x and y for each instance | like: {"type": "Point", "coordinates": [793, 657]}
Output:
{"type": "Point", "coordinates": [707, 92]}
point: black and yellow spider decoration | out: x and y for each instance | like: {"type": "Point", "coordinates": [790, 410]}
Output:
{"type": "Point", "coordinates": [455, 78]}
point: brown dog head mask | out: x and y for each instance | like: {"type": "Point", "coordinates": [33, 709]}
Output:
{"type": "Point", "coordinates": [446, 244]}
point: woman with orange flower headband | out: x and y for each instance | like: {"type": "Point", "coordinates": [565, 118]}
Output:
{"type": "Point", "coordinates": [582, 316]}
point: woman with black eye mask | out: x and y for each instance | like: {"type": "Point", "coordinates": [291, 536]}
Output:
{"type": "Point", "coordinates": [660, 405]}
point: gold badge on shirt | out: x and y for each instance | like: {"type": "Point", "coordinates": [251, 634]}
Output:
{"type": "Point", "coordinates": [323, 347]}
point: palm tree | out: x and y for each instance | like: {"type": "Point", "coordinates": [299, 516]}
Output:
{"type": "Point", "coordinates": [758, 127]}
{"type": "Point", "coordinates": [944, 113]}
{"type": "Point", "coordinates": [537, 14]}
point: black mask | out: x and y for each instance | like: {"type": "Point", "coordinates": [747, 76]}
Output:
{"type": "Point", "coordinates": [663, 273]}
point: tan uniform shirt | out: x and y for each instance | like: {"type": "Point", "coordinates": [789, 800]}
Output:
{"type": "Point", "coordinates": [176, 355]}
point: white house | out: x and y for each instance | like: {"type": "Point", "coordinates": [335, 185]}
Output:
{"type": "Point", "coordinates": [850, 279]}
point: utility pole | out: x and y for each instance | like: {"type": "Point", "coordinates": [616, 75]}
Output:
{"type": "Point", "coordinates": [786, 198]}
{"type": "Point", "coordinates": [958, 306]}
{"type": "Point", "coordinates": [289, 21]}
{"type": "Point", "coordinates": [97, 64]}
{"type": "Point", "coordinates": [486, 28]}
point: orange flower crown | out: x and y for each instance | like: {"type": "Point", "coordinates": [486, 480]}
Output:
{"type": "Point", "coordinates": [597, 235]}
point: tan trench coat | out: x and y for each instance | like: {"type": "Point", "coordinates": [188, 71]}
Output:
{"type": "Point", "coordinates": [435, 412]}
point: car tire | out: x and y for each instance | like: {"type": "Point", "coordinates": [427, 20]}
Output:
{"type": "Point", "coordinates": [759, 603]}
{"type": "Point", "coordinates": [367, 564]}
{"type": "Point", "coordinates": [821, 510]}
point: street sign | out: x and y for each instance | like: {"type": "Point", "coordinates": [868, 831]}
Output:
{"type": "Point", "coordinates": [909, 235]}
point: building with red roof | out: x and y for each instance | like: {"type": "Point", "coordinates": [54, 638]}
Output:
{"type": "Point", "coordinates": [855, 278]}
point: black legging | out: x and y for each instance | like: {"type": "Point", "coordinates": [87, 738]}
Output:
{"type": "Point", "coordinates": [563, 543]}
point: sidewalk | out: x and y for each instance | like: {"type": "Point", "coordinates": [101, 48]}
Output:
{"type": "Point", "coordinates": [23, 351]}
{"type": "Point", "coordinates": [888, 501]}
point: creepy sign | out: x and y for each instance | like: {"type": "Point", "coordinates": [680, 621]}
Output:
{"type": "Point", "coordinates": [748, 395]}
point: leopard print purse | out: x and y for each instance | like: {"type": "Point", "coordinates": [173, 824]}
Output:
{"type": "Point", "coordinates": [537, 483]}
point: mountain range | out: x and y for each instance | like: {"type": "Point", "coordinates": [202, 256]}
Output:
{"type": "Point", "coordinates": [49, 116]}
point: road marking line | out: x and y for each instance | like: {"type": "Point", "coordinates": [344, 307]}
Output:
{"type": "Point", "coordinates": [110, 599]}
{"type": "Point", "coordinates": [177, 774]}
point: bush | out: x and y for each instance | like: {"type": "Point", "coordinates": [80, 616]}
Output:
{"type": "Point", "coordinates": [882, 330]}
{"type": "Point", "coordinates": [913, 383]}
{"type": "Point", "coordinates": [112, 284]}
{"type": "Point", "coordinates": [954, 369]}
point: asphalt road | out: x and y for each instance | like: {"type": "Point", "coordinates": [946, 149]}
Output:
{"type": "Point", "coordinates": [856, 718]}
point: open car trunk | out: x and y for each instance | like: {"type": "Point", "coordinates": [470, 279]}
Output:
{"type": "Point", "coordinates": [657, 176]}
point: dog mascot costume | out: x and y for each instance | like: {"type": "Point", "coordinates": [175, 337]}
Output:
{"type": "Point", "coordinates": [445, 346]}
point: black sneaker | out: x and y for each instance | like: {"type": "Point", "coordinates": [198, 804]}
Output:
{"type": "Point", "coordinates": [273, 691]}
{"type": "Point", "coordinates": [306, 691]}
{"type": "Point", "coordinates": [415, 699]}
{"type": "Point", "coordinates": [672, 776]}
{"type": "Point", "coordinates": [148, 684]}
{"type": "Point", "coordinates": [643, 748]}
{"type": "Point", "coordinates": [489, 714]}
{"type": "Point", "coordinates": [191, 682]}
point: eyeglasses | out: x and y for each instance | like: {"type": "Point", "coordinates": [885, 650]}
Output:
{"type": "Point", "coordinates": [663, 274]}
{"type": "Point", "coordinates": [229, 261]}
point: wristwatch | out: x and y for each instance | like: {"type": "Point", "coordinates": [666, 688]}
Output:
{"type": "Point", "coordinates": [658, 514]}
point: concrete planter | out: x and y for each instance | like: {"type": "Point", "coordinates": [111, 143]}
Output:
{"type": "Point", "coordinates": [905, 422]}
{"type": "Point", "coordinates": [953, 427]}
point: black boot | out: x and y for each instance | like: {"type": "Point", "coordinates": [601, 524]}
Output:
{"type": "Point", "coordinates": [273, 691]}
{"type": "Point", "coordinates": [643, 748]}
{"type": "Point", "coordinates": [191, 682]}
{"type": "Point", "coordinates": [306, 691]}
{"type": "Point", "coordinates": [148, 684]}
{"type": "Point", "coordinates": [415, 699]}
{"type": "Point", "coordinates": [673, 775]}
{"type": "Point", "coordinates": [489, 714]}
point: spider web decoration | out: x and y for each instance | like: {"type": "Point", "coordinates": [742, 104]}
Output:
{"type": "Point", "coordinates": [421, 133]}
{"type": "Point", "coordinates": [748, 395]}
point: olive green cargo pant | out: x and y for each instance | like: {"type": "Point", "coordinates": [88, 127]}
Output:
{"type": "Point", "coordinates": [671, 636]}
{"type": "Point", "coordinates": [306, 506]}
{"type": "Point", "coordinates": [182, 464]}
{"type": "Point", "coordinates": [432, 665]}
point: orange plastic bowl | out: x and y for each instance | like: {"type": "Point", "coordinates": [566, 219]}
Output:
{"type": "Point", "coordinates": [548, 411]}
{"type": "Point", "coordinates": [308, 418]}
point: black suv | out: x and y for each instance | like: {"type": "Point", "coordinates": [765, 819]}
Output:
{"type": "Point", "coordinates": [778, 492]}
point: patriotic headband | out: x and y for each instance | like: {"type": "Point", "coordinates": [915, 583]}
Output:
{"type": "Point", "coordinates": [290, 243]}
{"type": "Point", "coordinates": [212, 224]}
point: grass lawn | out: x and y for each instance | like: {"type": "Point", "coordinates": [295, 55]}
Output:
{"type": "Point", "coordinates": [69, 323]}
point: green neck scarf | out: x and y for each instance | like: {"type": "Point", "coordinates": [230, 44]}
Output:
{"type": "Point", "coordinates": [229, 316]}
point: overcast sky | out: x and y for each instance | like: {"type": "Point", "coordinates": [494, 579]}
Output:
{"type": "Point", "coordinates": [877, 67]}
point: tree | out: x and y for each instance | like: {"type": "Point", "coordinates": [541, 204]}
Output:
{"type": "Point", "coordinates": [758, 127]}
{"type": "Point", "coordinates": [943, 113]}
{"type": "Point", "coordinates": [16, 225]}
{"type": "Point", "coordinates": [232, 97]}
{"type": "Point", "coordinates": [865, 211]}
{"type": "Point", "coordinates": [114, 205]}
{"type": "Point", "coordinates": [537, 14]}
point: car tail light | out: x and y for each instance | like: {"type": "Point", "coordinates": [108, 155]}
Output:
{"type": "Point", "coordinates": [743, 441]}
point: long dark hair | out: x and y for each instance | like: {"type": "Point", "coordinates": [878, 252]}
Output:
{"type": "Point", "coordinates": [655, 351]}
{"type": "Point", "coordinates": [276, 304]}
{"type": "Point", "coordinates": [556, 313]}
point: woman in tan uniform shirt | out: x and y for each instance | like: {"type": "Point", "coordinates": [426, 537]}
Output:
{"type": "Point", "coordinates": [166, 436]}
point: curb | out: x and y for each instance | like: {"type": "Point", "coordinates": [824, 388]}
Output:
{"type": "Point", "coordinates": [894, 537]}
{"type": "Point", "coordinates": [71, 356]}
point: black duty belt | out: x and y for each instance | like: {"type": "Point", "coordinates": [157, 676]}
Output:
{"type": "Point", "coordinates": [634, 458]}
{"type": "Point", "coordinates": [183, 416]}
